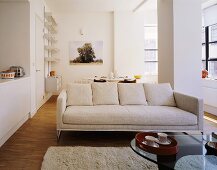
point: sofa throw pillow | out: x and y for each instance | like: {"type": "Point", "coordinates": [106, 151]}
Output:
{"type": "Point", "coordinates": [131, 94]}
{"type": "Point", "coordinates": [105, 93]}
{"type": "Point", "coordinates": [159, 94]}
{"type": "Point", "coordinates": [79, 94]}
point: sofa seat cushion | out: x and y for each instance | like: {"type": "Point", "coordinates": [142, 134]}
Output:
{"type": "Point", "coordinates": [128, 115]}
{"type": "Point", "coordinates": [163, 115]}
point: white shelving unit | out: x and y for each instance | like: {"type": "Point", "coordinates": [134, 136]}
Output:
{"type": "Point", "coordinates": [50, 37]}
{"type": "Point", "coordinates": [51, 59]}
{"type": "Point", "coordinates": [53, 84]}
{"type": "Point", "coordinates": [51, 49]}
{"type": "Point", "coordinates": [49, 18]}
{"type": "Point", "coordinates": [50, 30]}
{"type": "Point", "coordinates": [50, 27]}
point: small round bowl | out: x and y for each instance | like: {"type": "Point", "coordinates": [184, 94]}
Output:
{"type": "Point", "coordinates": [138, 76]}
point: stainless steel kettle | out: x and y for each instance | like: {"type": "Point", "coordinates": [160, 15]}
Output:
{"type": "Point", "coordinates": [19, 71]}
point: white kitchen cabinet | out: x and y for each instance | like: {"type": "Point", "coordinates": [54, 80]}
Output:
{"type": "Point", "coordinates": [14, 105]}
{"type": "Point", "coordinates": [53, 84]}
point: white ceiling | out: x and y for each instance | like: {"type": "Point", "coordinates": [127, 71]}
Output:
{"type": "Point", "coordinates": [208, 3]}
{"type": "Point", "coordinates": [66, 6]}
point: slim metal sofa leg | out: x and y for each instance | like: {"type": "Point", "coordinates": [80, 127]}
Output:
{"type": "Point", "coordinates": [58, 135]}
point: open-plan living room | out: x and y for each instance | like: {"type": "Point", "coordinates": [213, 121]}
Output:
{"type": "Point", "coordinates": [108, 84]}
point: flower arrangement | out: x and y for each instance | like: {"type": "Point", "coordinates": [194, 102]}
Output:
{"type": "Point", "coordinates": [204, 73]}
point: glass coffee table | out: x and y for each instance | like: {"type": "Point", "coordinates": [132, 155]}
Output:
{"type": "Point", "coordinates": [192, 153]}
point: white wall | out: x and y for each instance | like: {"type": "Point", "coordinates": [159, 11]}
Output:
{"type": "Point", "coordinates": [150, 17]}
{"type": "Point", "coordinates": [129, 43]}
{"type": "Point", "coordinates": [14, 35]}
{"type": "Point", "coordinates": [187, 46]}
{"type": "Point", "coordinates": [180, 45]}
{"type": "Point", "coordinates": [210, 15]}
{"type": "Point", "coordinates": [165, 42]}
{"type": "Point", "coordinates": [96, 26]}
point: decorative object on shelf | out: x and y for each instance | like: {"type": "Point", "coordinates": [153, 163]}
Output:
{"type": "Point", "coordinates": [49, 18]}
{"type": "Point", "coordinates": [82, 52]}
{"type": "Point", "coordinates": [52, 73]}
{"type": "Point", "coordinates": [50, 37]}
{"type": "Point", "coordinates": [82, 31]}
{"type": "Point", "coordinates": [19, 71]}
{"type": "Point", "coordinates": [156, 143]}
{"type": "Point", "coordinates": [8, 74]}
{"type": "Point", "coordinates": [50, 27]}
{"type": "Point", "coordinates": [204, 73]}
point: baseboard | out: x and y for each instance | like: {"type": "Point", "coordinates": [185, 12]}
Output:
{"type": "Point", "coordinates": [33, 113]}
{"type": "Point", "coordinates": [14, 129]}
{"type": "Point", "coordinates": [47, 97]}
{"type": "Point", "coordinates": [210, 109]}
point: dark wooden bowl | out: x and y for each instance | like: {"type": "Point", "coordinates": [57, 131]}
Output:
{"type": "Point", "coordinates": [170, 149]}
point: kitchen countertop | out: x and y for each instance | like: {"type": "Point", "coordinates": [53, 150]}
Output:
{"type": "Point", "coordinates": [5, 81]}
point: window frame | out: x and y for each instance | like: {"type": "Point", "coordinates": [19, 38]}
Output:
{"type": "Point", "coordinates": [207, 46]}
{"type": "Point", "coordinates": [151, 49]}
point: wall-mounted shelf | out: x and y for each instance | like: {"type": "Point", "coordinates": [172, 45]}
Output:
{"type": "Point", "coordinates": [49, 18]}
{"type": "Point", "coordinates": [51, 49]}
{"type": "Point", "coordinates": [50, 27]}
{"type": "Point", "coordinates": [51, 59]}
{"type": "Point", "coordinates": [50, 37]}
{"type": "Point", "coordinates": [50, 30]}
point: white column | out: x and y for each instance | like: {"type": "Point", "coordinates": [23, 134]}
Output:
{"type": "Point", "coordinates": [165, 42]}
{"type": "Point", "coordinates": [129, 42]}
{"type": "Point", "coordinates": [179, 34]}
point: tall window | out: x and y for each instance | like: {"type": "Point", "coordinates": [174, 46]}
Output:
{"type": "Point", "coordinates": [209, 49]}
{"type": "Point", "coordinates": [151, 50]}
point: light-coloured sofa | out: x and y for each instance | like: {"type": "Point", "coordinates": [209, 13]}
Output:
{"type": "Point", "coordinates": [127, 107]}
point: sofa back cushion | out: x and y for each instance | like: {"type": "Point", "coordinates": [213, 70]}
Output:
{"type": "Point", "coordinates": [159, 94]}
{"type": "Point", "coordinates": [105, 93]}
{"type": "Point", "coordinates": [131, 94]}
{"type": "Point", "coordinates": [79, 94]}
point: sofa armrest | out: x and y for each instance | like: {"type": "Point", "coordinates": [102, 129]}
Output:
{"type": "Point", "coordinates": [191, 104]}
{"type": "Point", "coordinates": [61, 107]}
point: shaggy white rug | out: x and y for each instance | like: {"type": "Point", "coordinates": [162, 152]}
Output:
{"type": "Point", "coordinates": [94, 158]}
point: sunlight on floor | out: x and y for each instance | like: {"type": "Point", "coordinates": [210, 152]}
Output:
{"type": "Point", "coordinates": [210, 119]}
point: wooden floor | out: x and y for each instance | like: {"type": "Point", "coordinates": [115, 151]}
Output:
{"type": "Point", "coordinates": [26, 148]}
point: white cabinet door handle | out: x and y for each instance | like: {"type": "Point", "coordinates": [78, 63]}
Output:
{"type": "Point", "coordinates": [38, 70]}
